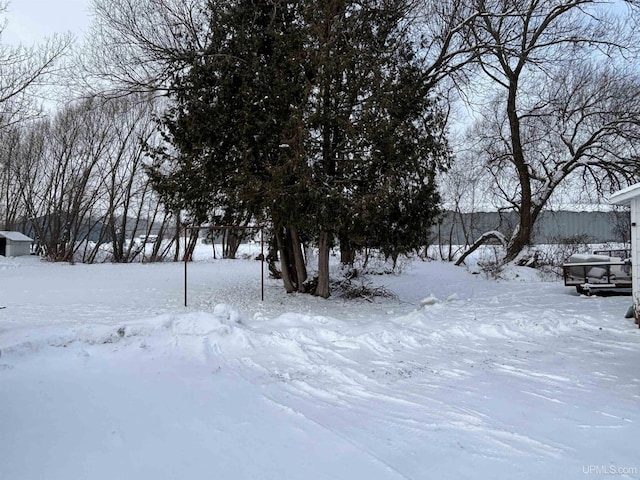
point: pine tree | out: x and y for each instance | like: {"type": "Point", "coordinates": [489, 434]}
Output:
{"type": "Point", "coordinates": [376, 136]}
{"type": "Point", "coordinates": [312, 116]}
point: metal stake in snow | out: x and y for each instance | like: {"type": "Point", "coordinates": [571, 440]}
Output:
{"type": "Point", "coordinates": [224, 227]}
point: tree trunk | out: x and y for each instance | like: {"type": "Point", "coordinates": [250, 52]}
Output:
{"type": "Point", "coordinates": [520, 240]}
{"type": "Point", "coordinates": [176, 256]}
{"type": "Point", "coordinates": [347, 253]}
{"type": "Point", "coordinates": [272, 258]}
{"type": "Point", "coordinates": [284, 262]}
{"type": "Point", "coordinates": [322, 289]}
{"type": "Point", "coordinates": [190, 246]}
{"type": "Point", "coordinates": [231, 245]}
{"type": "Point", "coordinates": [298, 259]}
{"type": "Point", "coordinates": [522, 237]}
{"type": "Point", "coordinates": [484, 238]}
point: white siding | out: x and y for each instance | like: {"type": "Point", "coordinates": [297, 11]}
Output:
{"type": "Point", "coordinates": [635, 250]}
{"type": "Point", "coordinates": [16, 249]}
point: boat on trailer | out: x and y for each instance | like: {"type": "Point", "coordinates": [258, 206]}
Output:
{"type": "Point", "coordinates": [602, 271]}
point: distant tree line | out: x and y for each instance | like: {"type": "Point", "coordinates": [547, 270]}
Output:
{"type": "Point", "coordinates": [75, 181]}
{"type": "Point", "coordinates": [328, 121]}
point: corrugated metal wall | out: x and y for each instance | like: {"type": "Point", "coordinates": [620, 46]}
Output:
{"type": "Point", "coordinates": [551, 227]}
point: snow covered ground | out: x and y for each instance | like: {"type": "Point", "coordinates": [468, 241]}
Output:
{"type": "Point", "coordinates": [104, 374]}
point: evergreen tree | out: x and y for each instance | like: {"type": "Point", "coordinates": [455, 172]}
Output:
{"type": "Point", "coordinates": [313, 116]}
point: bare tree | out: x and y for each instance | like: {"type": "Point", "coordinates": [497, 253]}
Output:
{"type": "Point", "coordinates": [127, 192]}
{"type": "Point", "coordinates": [57, 179]}
{"type": "Point", "coordinates": [10, 206]}
{"type": "Point", "coordinates": [563, 100]}
{"type": "Point", "coordinates": [80, 177]}
{"type": "Point", "coordinates": [137, 45]}
{"type": "Point", "coordinates": [25, 71]}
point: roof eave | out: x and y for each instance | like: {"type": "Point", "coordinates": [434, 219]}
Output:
{"type": "Point", "coordinates": [624, 196]}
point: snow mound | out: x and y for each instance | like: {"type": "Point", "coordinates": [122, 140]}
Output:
{"type": "Point", "coordinates": [517, 273]}
{"type": "Point", "coordinates": [227, 312]}
{"type": "Point", "coordinates": [430, 300]}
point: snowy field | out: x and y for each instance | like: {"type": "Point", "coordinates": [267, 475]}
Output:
{"type": "Point", "coordinates": [104, 374]}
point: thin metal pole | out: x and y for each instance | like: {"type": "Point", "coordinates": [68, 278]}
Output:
{"type": "Point", "coordinates": [185, 265]}
{"type": "Point", "coordinates": [262, 263]}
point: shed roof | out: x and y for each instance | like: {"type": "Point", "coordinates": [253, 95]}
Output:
{"type": "Point", "coordinates": [15, 236]}
{"type": "Point", "coordinates": [624, 196]}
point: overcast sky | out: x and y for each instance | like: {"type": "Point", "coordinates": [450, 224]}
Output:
{"type": "Point", "coordinates": [30, 21]}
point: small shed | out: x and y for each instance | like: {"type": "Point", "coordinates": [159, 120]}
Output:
{"type": "Point", "coordinates": [14, 244]}
{"type": "Point", "coordinates": [631, 196]}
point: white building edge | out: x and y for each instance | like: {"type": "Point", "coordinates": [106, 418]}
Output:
{"type": "Point", "coordinates": [631, 196]}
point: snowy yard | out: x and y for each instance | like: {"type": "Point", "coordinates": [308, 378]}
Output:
{"type": "Point", "coordinates": [104, 374]}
